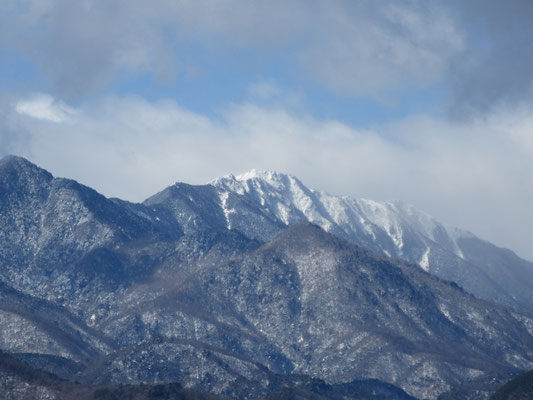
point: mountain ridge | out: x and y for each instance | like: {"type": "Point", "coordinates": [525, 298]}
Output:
{"type": "Point", "coordinates": [268, 201]}
{"type": "Point", "coordinates": [237, 311]}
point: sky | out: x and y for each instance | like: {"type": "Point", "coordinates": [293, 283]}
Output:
{"type": "Point", "coordinates": [429, 102]}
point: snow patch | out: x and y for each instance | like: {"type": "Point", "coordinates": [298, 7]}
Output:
{"type": "Point", "coordinates": [424, 260]}
{"type": "Point", "coordinates": [444, 310]}
{"type": "Point", "coordinates": [224, 204]}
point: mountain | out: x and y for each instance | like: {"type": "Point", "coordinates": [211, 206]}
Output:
{"type": "Point", "coordinates": [47, 333]}
{"type": "Point", "coordinates": [518, 388]}
{"type": "Point", "coordinates": [262, 204]}
{"type": "Point", "coordinates": [337, 311]}
{"type": "Point", "coordinates": [307, 303]}
{"type": "Point", "coordinates": [58, 236]}
{"type": "Point", "coordinates": [238, 292]}
{"type": "Point", "coordinates": [20, 381]}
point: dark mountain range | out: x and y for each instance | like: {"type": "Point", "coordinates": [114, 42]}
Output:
{"type": "Point", "coordinates": [225, 299]}
{"type": "Point", "coordinates": [30, 325]}
{"type": "Point", "coordinates": [19, 381]}
{"type": "Point", "coordinates": [518, 388]}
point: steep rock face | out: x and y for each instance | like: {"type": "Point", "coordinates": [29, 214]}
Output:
{"type": "Point", "coordinates": [262, 204]}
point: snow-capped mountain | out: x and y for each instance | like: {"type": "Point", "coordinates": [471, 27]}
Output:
{"type": "Point", "coordinates": [261, 204]}
{"type": "Point", "coordinates": [209, 287]}
{"type": "Point", "coordinates": [388, 227]}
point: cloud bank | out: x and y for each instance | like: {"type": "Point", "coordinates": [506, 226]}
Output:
{"type": "Point", "coordinates": [474, 175]}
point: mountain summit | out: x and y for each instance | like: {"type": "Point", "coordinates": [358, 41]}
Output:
{"type": "Point", "coordinates": [260, 204]}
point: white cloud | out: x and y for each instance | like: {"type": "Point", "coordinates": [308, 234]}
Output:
{"type": "Point", "coordinates": [474, 175]}
{"type": "Point", "coordinates": [45, 107]}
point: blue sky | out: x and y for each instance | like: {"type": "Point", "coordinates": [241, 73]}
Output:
{"type": "Point", "coordinates": [424, 101]}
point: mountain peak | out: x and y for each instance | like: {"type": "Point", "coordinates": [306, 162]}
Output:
{"type": "Point", "coordinates": [258, 181]}
{"type": "Point", "coordinates": [254, 175]}
{"type": "Point", "coordinates": [263, 175]}
{"type": "Point", "coordinates": [17, 162]}
{"type": "Point", "coordinates": [18, 172]}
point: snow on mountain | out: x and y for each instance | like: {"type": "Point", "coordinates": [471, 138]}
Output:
{"type": "Point", "coordinates": [391, 228]}
{"type": "Point", "coordinates": [105, 291]}
{"type": "Point", "coordinates": [289, 201]}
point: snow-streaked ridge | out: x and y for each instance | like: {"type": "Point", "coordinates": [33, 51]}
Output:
{"type": "Point", "coordinates": [385, 227]}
